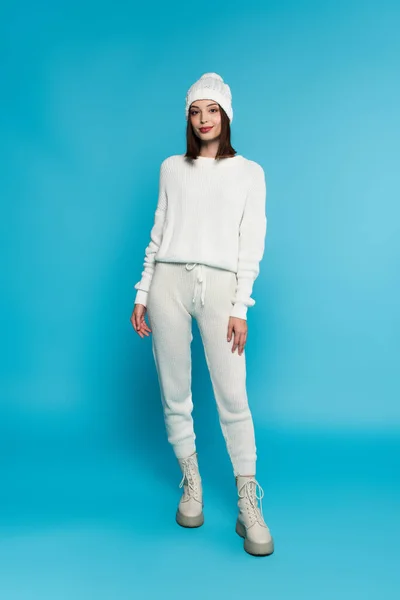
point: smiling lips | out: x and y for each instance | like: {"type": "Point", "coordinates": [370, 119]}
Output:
{"type": "Point", "coordinates": [205, 129]}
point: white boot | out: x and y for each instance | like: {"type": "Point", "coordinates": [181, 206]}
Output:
{"type": "Point", "coordinates": [250, 523]}
{"type": "Point", "coordinates": [190, 509]}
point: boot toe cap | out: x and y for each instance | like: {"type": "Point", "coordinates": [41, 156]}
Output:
{"type": "Point", "coordinates": [190, 508]}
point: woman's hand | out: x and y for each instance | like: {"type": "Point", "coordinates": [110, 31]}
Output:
{"type": "Point", "coordinates": [138, 322]}
{"type": "Point", "coordinates": [239, 327]}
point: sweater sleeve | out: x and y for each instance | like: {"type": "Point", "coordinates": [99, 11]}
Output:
{"type": "Point", "coordinates": [252, 232]}
{"type": "Point", "coordinates": [156, 233]}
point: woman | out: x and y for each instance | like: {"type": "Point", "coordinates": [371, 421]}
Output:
{"type": "Point", "coordinates": [208, 233]}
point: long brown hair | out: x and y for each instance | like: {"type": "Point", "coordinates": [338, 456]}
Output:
{"type": "Point", "coordinates": [193, 143]}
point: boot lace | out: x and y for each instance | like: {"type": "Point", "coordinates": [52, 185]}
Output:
{"type": "Point", "coordinates": [189, 468]}
{"type": "Point", "coordinates": [250, 494]}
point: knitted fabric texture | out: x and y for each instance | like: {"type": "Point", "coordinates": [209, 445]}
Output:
{"type": "Point", "coordinates": [211, 212]}
{"type": "Point", "coordinates": [210, 86]}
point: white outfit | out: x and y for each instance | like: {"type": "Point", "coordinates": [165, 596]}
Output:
{"type": "Point", "coordinates": [211, 212]}
{"type": "Point", "coordinates": [202, 260]}
{"type": "Point", "coordinates": [170, 310]}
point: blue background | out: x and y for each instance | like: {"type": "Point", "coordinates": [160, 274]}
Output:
{"type": "Point", "coordinates": [92, 101]}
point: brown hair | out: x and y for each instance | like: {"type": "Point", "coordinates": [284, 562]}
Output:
{"type": "Point", "coordinates": [193, 143]}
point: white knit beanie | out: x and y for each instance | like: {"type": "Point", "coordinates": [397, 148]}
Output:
{"type": "Point", "coordinates": [210, 86]}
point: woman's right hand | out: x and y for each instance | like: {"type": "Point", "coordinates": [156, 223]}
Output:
{"type": "Point", "coordinates": [138, 322]}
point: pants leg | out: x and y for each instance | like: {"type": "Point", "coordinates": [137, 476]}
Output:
{"type": "Point", "coordinates": [171, 326]}
{"type": "Point", "coordinates": [170, 312]}
{"type": "Point", "coordinates": [227, 370]}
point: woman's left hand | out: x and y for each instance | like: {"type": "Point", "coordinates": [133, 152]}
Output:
{"type": "Point", "coordinates": [239, 328]}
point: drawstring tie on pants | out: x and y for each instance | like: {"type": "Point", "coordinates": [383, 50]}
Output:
{"type": "Point", "coordinates": [200, 279]}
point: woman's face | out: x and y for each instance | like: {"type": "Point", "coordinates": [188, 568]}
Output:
{"type": "Point", "coordinates": [205, 114]}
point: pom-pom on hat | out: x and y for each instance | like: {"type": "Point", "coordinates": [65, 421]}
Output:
{"type": "Point", "coordinates": [210, 86]}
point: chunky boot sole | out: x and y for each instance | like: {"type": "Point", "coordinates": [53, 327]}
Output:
{"type": "Point", "coordinates": [252, 547]}
{"type": "Point", "coordinates": [186, 521]}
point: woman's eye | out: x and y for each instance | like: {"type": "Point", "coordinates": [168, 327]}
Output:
{"type": "Point", "coordinates": [194, 112]}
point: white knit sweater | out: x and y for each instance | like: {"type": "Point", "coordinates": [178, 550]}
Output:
{"type": "Point", "coordinates": [211, 212]}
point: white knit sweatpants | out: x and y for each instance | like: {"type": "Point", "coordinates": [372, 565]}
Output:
{"type": "Point", "coordinates": [173, 301]}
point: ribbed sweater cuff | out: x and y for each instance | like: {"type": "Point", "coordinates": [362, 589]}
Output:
{"type": "Point", "coordinates": [239, 310]}
{"type": "Point", "coordinates": [141, 297]}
